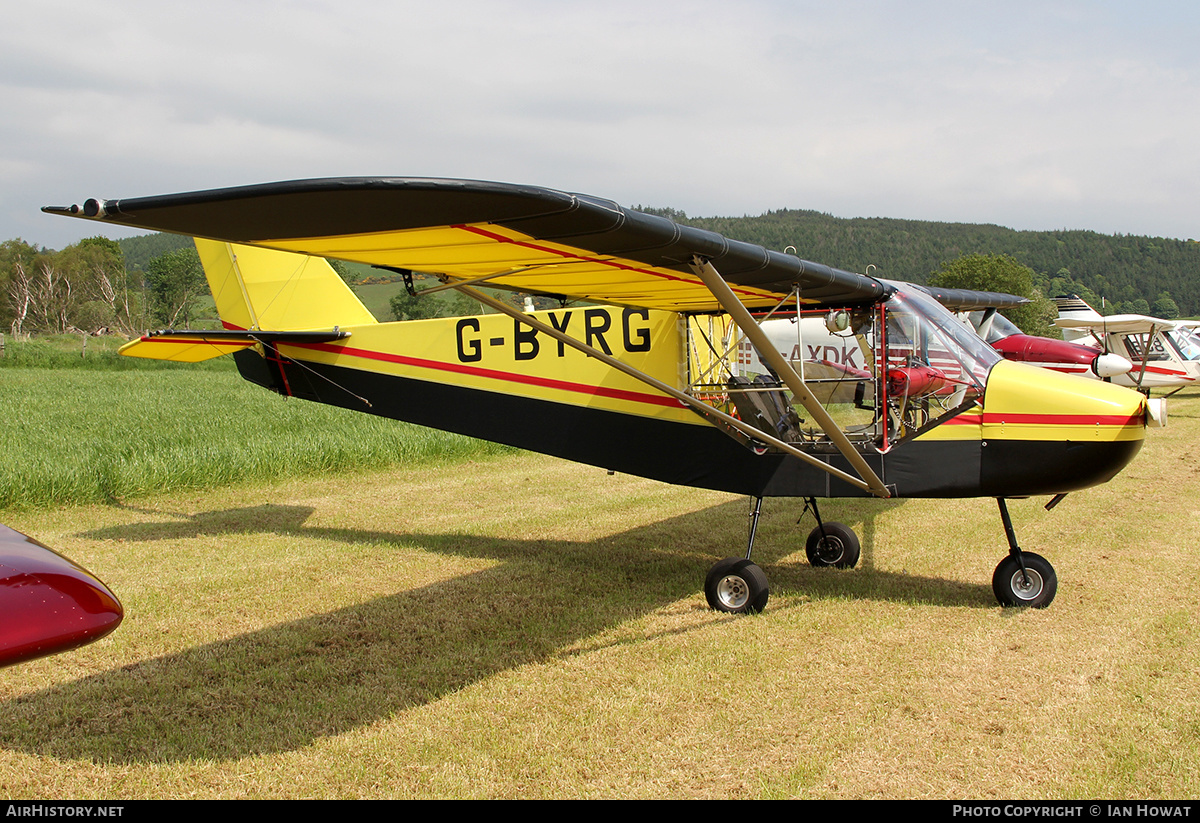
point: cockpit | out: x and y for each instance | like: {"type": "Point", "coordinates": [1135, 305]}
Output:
{"type": "Point", "coordinates": [884, 372]}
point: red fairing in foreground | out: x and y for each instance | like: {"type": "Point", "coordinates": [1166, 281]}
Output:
{"type": "Point", "coordinates": [48, 604]}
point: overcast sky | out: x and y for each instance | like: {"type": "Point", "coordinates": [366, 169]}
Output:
{"type": "Point", "coordinates": [1040, 115]}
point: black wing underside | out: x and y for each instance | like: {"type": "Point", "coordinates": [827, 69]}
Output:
{"type": "Point", "coordinates": [519, 237]}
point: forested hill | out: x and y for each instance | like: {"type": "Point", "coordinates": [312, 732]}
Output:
{"type": "Point", "coordinates": [1120, 268]}
{"type": "Point", "coordinates": [139, 251]}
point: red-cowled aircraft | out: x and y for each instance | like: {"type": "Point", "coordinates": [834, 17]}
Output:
{"type": "Point", "coordinates": [644, 378]}
{"type": "Point", "coordinates": [48, 604]}
{"type": "Point", "coordinates": [1060, 355]}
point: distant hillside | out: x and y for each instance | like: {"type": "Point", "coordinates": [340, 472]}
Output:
{"type": "Point", "coordinates": [1120, 268]}
{"type": "Point", "coordinates": [141, 250]}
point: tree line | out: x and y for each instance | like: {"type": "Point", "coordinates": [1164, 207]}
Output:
{"type": "Point", "coordinates": [154, 281]}
{"type": "Point", "coordinates": [1117, 273]}
{"type": "Point", "coordinates": [88, 287]}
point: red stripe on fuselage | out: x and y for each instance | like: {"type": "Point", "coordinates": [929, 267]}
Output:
{"type": "Point", "coordinates": [496, 374]}
{"type": "Point", "coordinates": [1160, 370]}
{"type": "Point", "coordinates": [1000, 418]}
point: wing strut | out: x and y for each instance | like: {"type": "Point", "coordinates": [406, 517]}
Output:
{"type": "Point", "coordinates": [684, 398]}
{"type": "Point", "coordinates": [754, 333]}
{"type": "Point", "coordinates": [1146, 353]}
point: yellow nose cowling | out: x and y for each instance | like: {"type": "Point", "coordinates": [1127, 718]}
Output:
{"type": "Point", "coordinates": [1050, 433]}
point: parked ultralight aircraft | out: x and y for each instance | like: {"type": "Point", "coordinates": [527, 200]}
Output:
{"type": "Point", "coordinates": [1060, 355]}
{"type": "Point", "coordinates": [1163, 353]}
{"type": "Point", "coordinates": [645, 379]}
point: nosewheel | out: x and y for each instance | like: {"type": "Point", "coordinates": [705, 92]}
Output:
{"type": "Point", "coordinates": [737, 586]}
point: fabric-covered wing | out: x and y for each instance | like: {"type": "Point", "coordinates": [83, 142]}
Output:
{"type": "Point", "coordinates": [520, 237]}
{"type": "Point", "coordinates": [1117, 324]}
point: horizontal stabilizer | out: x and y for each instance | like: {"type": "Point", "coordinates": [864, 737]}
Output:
{"type": "Point", "coordinates": [197, 346]}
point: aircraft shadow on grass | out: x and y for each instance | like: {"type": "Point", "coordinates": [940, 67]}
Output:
{"type": "Point", "coordinates": [283, 687]}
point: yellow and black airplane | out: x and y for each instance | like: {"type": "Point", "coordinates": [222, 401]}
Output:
{"type": "Point", "coordinates": [649, 375]}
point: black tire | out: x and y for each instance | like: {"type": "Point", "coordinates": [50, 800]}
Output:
{"type": "Point", "coordinates": [737, 586]}
{"type": "Point", "coordinates": [1036, 590]}
{"type": "Point", "coordinates": [838, 547]}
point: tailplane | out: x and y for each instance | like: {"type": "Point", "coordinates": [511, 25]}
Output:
{"type": "Point", "coordinates": [260, 295]}
{"type": "Point", "coordinates": [1073, 307]}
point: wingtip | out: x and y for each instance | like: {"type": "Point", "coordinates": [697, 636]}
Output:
{"type": "Point", "coordinates": [92, 207]}
{"type": "Point", "coordinates": [66, 210]}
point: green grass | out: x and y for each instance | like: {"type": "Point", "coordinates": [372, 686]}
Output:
{"type": "Point", "coordinates": [523, 627]}
{"type": "Point", "coordinates": [526, 627]}
{"type": "Point", "coordinates": [80, 435]}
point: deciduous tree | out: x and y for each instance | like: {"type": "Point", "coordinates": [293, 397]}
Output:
{"type": "Point", "coordinates": [176, 282]}
{"type": "Point", "coordinates": [1001, 273]}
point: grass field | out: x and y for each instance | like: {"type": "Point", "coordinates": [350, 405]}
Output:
{"type": "Point", "coordinates": [75, 435]}
{"type": "Point", "coordinates": [516, 626]}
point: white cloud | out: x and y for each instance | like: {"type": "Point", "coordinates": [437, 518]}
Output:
{"type": "Point", "coordinates": [1031, 115]}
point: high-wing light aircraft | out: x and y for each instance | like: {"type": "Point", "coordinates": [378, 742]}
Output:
{"type": "Point", "coordinates": [1163, 353]}
{"type": "Point", "coordinates": [645, 378]}
{"type": "Point", "coordinates": [48, 604]}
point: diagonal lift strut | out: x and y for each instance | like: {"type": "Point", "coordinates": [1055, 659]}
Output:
{"type": "Point", "coordinates": [754, 333]}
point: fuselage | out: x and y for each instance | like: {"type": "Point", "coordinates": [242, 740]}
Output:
{"type": "Point", "coordinates": [1020, 430]}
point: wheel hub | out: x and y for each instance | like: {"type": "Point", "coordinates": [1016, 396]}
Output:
{"type": "Point", "coordinates": [1026, 585]}
{"type": "Point", "coordinates": [733, 592]}
{"type": "Point", "coordinates": [830, 549]}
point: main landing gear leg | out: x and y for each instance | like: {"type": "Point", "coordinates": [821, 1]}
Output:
{"type": "Point", "coordinates": [830, 544]}
{"type": "Point", "coordinates": [736, 585]}
{"type": "Point", "coordinates": [1022, 578]}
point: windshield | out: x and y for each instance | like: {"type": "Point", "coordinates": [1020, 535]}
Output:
{"type": "Point", "coordinates": [929, 333]}
{"type": "Point", "coordinates": [998, 328]}
{"type": "Point", "coordinates": [1186, 341]}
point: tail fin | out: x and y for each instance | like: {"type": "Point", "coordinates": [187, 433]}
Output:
{"type": "Point", "coordinates": [256, 288]}
{"type": "Point", "coordinates": [1073, 307]}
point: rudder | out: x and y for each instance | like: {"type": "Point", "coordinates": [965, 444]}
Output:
{"type": "Point", "coordinates": [257, 288]}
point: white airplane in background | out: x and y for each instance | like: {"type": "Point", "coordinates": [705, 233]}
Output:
{"type": "Point", "coordinates": [1164, 353]}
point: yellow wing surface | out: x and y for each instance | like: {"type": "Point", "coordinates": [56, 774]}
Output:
{"type": "Point", "coordinates": [523, 238]}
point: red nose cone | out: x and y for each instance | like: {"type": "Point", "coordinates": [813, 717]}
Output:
{"type": "Point", "coordinates": [48, 604]}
